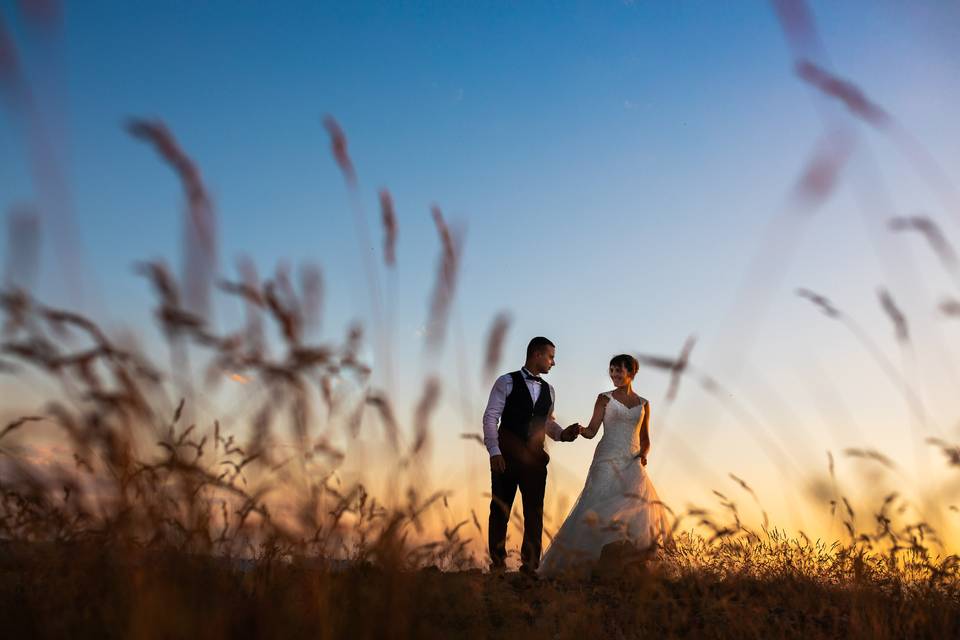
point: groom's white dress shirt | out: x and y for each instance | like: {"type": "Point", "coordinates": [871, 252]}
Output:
{"type": "Point", "coordinates": [498, 398]}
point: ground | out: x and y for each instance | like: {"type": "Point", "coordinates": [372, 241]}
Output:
{"type": "Point", "coordinates": [73, 593]}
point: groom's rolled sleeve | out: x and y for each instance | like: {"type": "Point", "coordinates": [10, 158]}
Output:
{"type": "Point", "coordinates": [491, 415]}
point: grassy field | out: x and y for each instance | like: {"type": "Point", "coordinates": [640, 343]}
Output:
{"type": "Point", "coordinates": [98, 591]}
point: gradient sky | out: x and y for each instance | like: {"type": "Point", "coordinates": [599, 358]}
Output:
{"type": "Point", "coordinates": [614, 165]}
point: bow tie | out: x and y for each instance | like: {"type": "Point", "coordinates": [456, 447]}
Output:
{"type": "Point", "coordinates": [534, 378]}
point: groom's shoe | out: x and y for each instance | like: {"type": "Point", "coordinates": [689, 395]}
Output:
{"type": "Point", "coordinates": [497, 569]}
{"type": "Point", "coordinates": [529, 573]}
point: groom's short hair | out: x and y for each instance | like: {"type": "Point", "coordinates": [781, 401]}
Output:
{"type": "Point", "coordinates": [538, 344]}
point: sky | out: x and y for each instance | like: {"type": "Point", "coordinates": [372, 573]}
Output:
{"type": "Point", "coordinates": [614, 167]}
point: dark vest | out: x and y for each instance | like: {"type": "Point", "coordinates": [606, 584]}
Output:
{"type": "Point", "coordinates": [521, 416]}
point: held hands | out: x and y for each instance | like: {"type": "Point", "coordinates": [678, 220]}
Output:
{"type": "Point", "coordinates": [571, 433]}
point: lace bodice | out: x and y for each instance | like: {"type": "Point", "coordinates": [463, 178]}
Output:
{"type": "Point", "coordinates": [621, 430]}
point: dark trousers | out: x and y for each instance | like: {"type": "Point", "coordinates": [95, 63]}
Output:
{"type": "Point", "coordinates": [531, 479]}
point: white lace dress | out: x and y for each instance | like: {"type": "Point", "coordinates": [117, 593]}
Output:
{"type": "Point", "coordinates": [618, 501]}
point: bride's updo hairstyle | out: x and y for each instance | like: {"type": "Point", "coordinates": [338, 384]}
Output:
{"type": "Point", "coordinates": [628, 362]}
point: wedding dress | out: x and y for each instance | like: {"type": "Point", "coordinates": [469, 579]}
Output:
{"type": "Point", "coordinates": [618, 501]}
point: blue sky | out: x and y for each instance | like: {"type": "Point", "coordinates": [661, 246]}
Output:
{"type": "Point", "coordinates": [614, 164]}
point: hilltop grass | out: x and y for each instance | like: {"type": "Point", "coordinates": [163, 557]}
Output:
{"type": "Point", "coordinates": [98, 591]}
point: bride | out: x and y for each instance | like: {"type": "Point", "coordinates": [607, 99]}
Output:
{"type": "Point", "coordinates": [618, 501]}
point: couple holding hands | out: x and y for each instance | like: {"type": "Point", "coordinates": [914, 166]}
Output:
{"type": "Point", "coordinates": [618, 501]}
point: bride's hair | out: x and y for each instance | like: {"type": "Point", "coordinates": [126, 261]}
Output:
{"type": "Point", "coordinates": [626, 361]}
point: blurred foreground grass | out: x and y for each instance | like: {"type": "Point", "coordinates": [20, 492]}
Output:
{"type": "Point", "coordinates": [96, 591]}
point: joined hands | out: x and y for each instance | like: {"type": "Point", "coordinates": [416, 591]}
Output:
{"type": "Point", "coordinates": [571, 433]}
{"type": "Point", "coordinates": [499, 465]}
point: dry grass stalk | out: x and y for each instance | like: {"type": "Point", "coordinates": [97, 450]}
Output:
{"type": "Point", "coordinates": [748, 489]}
{"type": "Point", "coordinates": [844, 91]}
{"type": "Point", "coordinates": [390, 425]}
{"type": "Point", "coordinates": [445, 285]}
{"type": "Point", "coordinates": [932, 233]}
{"type": "Point", "coordinates": [935, 238]}
{"type": "Point", "coordinates": [311, 294]}
{"type": "Point", "coordinates": [951, 451]}
{"type": "Point", "coordinates": [797, 22]}
{"type": "Point", "coordinates": [870, 454]}
{"type": "Point", "coordinates": [338, 146]}
{"type": "Point", "coordinates": [496, 336]}
{"type": "Point", "coordinates": [679, 367]}
{"type": "Point", "coordinates": [388, 219]}
{"type": "Point", "coordinates": [820, 301]}
{"type": "Point", "coordinates": [19, 422]}
{"type": "Point", "coordinates": [820, 176]}
{"type": "Point", "coordinates": [910, 396]}
{"type": "Point", "coordinates": [23, 248]}
{"type": "Point", "coordinates": [896, 316]}
{"type": "Point", "coordinates": [200, 252]}
{"type": "Point", "coordinates": [950, 307]}
{"type": "Point", "coordinates": [421, 417]}
{"type": "Point", "coordinates": [473, 436]}
{"type": "Point", "coordinates": [44, 153]}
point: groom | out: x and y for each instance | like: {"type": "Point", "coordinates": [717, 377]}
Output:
{"type": "Point", "coordinates": [522, 403]}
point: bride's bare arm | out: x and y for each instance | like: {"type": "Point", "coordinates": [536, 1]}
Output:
{"type": "Point", "coordinates": [645, 433]}
{"type": "Point", "coordinates": [598, 409]}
